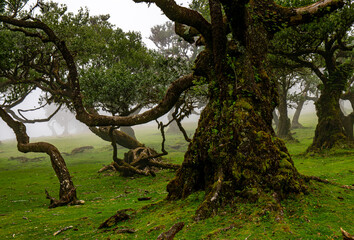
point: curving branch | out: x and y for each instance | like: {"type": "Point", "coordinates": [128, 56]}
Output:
{"type": "Point", "coordinates": [120, 137]}
{"type": "Point", "coordinates": [18, 101]}
{"type": "Point", "coordinates": [171, 97]}
{"type": "Point", "coordinates": [303, 63]}
{"type": "Point", "coordinates": [182, 15]}
{"type": "Point", "coordinates": [297, 16]}
{"type": "Point", "coordinates": [185, 32]}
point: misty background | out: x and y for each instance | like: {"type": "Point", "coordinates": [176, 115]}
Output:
{"type": "Point", "coordinates": [64, 122]}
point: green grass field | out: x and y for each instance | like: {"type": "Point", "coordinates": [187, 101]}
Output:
{"type": "Point", "coordinates": [24, 212]}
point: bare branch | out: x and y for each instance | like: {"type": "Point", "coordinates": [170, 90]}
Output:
{"type": "Point", "coordinates": [25, 120]}
{"type": "Point", "coordinates": [18, 101]}
{"type": "Point", "coordinates": [296, 16]}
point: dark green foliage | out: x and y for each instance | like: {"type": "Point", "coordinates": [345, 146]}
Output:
{"type": "Point", "coordinates": [117, 72]}
{"type": "Point", "coordinates": [2, 6]}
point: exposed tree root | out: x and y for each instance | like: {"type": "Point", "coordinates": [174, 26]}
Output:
{"type": "Point", "coordinates": [140, 161]}
{"type": "Point", "coordinates": [127, 170]}
{"type": "Point", "coordinates": [319, 180]}
{"type": "Point", "coordinates": [212, 201]}
{"type": "Point", "coordinates": [308, 178]}
{"type": "Point", "coordinates": [109, 167]}
{"type": "Point", "coordinates": [144, 157]}
{"type": "Point", "coordinates": [67, 199]}
{"type": "Point", "coordinates": [62, 230]}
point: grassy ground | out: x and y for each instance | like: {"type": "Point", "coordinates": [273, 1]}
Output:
{"type": "Point", "coordinates": [24, 212]}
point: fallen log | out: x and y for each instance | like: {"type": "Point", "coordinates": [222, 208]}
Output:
{"type": "Point", "coordinates": [126, 230]}
{"type": "Point", "coordinates": [62, 230]}
{"type": "Point", "coordinates": [170, 234]}
{"type": "Point", "coordinates": [120, 216]}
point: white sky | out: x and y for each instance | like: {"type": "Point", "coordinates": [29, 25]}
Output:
{"type": "Point", "coordinates": [125, 14]}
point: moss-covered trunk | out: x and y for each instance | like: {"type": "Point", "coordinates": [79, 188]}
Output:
{"type": "Point", "coordinates": [234, 153]}
{"type": "Point", "coordinates": [329, 131]}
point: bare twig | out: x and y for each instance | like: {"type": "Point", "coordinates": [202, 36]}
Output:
{"type": "Point", "coordinates": [62, 230]}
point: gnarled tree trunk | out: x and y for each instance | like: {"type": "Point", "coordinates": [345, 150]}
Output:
{"type": "Point", "coordinates": [67, 191]}
{"type": "Point", "coordinates": [234, 153]}
{"type": "Point", "coordinates": [329, 131]}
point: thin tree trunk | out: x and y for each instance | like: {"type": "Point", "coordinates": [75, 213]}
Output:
{"type": "Point", "coordinates": [283, 130]}
{"type": "Point", "coordinates": [173, 127]}
{"type": "Point", "coordinates": [276, 120]}
{"type": "Point", "coordinates": [348, 122]}
{"type": "Point", "coordinates": [295, 122]}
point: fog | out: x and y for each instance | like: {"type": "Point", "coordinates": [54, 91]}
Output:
{"type": "Point", "coordinates": [63, 122]}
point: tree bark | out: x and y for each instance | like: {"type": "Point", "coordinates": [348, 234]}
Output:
{"type": "Point", "coordinates": [67, 191]}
